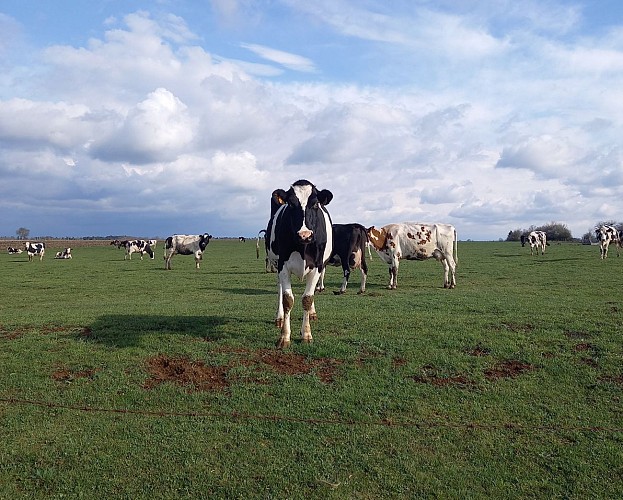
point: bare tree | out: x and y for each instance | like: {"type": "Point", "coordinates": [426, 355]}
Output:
{"type": "Point", "coordinates": [22, 233]}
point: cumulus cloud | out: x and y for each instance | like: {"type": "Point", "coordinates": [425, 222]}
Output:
{"type": "Point", "coordinates": [155, 130]}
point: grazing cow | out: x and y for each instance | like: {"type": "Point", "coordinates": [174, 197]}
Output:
{"type": "Point", "coordinates": [139, 246]}
{"type": "Point", "coordinates": [34, 249]}
{"type": "Point", "coordinates": [13, 251]}
{"type": "Point", "coordinates": [608, 234]}
{"type": "Point", "coordinates": [416, 241]}
{"type": "Point", "coordinates": [185, 244]}
{"type": "Point", "coordinates": [349, 251]}
{"type": "Point", "coordinates": [65, 254]}
{"type": "Point", "coordinates": [119, 243]}
{"type": "Point", "coordinates": [300, 243]}
{"type": "Point", "coordinates": [536, 239]}
{"type": "Point", "coordinates": [152, 244]}
{"type": "Point", "coordinates": [241, 239]}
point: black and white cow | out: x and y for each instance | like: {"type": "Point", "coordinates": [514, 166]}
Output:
{"type": "Point", "coordinates": [119, 243]}
{"type": "Point", "coordinates": [138, 246]}
{"type": "Point", "coordinates": [34, 249]}
{"type": "Point", "coordinates": [416, 241]}
{"type": "Point", "coordinates": [537, 240]}
{"type": "Point", "coordinates": [65, 254]}
{"type": "Point", "coordinates": [13, 250]}
{"type": "Point", "coordinates": [185, 244]}
{"type": "Point", "coordinates": [608, 234]}
{"type": "Point", "coordinates": [300, 239]}
{"type": "Point", "coordinates": [349, 251]}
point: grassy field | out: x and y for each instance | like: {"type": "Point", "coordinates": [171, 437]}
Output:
{"type": "Point", "coordinates": [122, 380]}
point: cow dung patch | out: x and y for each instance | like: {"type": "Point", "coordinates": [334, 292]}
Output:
{"type": "Point", "coordinates": [184, 372]}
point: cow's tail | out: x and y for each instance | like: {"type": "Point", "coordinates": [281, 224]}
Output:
{"type": "Point", "coordinates": [456, 248]}
{"type": "Point", "coordinates": [257, 243]}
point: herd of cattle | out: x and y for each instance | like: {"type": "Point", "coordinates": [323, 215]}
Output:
{"type": "Point", "coordinates": [301, 240]}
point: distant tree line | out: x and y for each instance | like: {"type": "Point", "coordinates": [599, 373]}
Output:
{"type": "Point", "coordinates": [555, 232]}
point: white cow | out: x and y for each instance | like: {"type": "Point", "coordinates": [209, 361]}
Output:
{"type": "Point", "coordinates": [537, 240]}
{"type": "Point", "coordinates": [65, 254]}
{"type": "Point", "coordinates": [416, 241]}
{"type": "Point", "coordinates": [185, 244]}
{"type": "Point", "coordinates": [606, 235]}
{"type": "Point", "coordinates": [34, 249]}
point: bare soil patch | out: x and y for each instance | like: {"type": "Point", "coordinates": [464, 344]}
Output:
{"type": "Point", "coordinates": [509, 368]}
{"type": "Point", "coordinates": [478, 351]}
{"type": "Point", "coordinates": [63, 374]}
{"type": "Point", "coordinates": [197, 376]}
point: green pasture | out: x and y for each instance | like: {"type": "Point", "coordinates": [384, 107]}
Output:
{"type": "Point", "coordinates": [119, 379]}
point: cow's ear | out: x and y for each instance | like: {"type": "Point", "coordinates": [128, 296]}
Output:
{"type": "Point", "coordinates": [279, 196]}
{"type": "Point", "coordinates": [325, 196]}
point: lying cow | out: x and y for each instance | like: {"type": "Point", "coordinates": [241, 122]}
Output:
{"type": "Point", "coordinates": [300, 243]}
{"type": "Point", "coordinates": [13, 251]}
{"type": "Point", "coordinates": [141, 247]}
{"type": "Point", "coordinates": [605, 235]}
{"type": "Point", "coordinates": [349, 251]}
{"type": "Point", "coordinates": [65, 254]}
{"type": "Point", "coordinates": [416, 241]}
{"type": "Point", "coordinates": [34, 249]}
{"type": "Point", "coordinates": [185, 244]}
{"type": "Point", "coordinates": [537, 240]}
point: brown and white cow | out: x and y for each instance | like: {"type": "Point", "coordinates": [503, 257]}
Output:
{"type": "Point", "coordinates": [537, 240]}
{"type": "Point", "coordinates": [416, 241]}
{"type": "Point", "coordinates": [34, 249]}
{"type": "Point", "coordinates": [607, 234]}
{"type": "Point", "coordinates": [300, 242]}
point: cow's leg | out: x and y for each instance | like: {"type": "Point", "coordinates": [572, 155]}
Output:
{"type": "Point", "coordinates": [364, 276]}
{"type": "Point", "coordinates": [309, 308]}
{"type": "Point", "coordinates": [346, 274]}
{"type": "Point", "coordinates": [198, 257]}
{"type": "Point", "coordinates": [279, 313]}
{"type": "Point", "coordinates": [320, 285]}
{"type": "Point", "coordinates": [286, 304]}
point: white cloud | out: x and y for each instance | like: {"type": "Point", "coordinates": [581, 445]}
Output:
{"type": "Point", "coordinates": [290, 61]}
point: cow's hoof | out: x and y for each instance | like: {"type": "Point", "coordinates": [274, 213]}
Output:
{"type": "Point", "coordinates": [306, 340]}
{"type": "Point", "coordinates": [282, 344]}
{"type": "Point", "coordinates": [279, 322]}
{"type": "Point", "coordinates": [319, 290]}
{"type": "Point", "coordinates": [361, 292]}
{"type": "Point", "coordinates": [338, 292]}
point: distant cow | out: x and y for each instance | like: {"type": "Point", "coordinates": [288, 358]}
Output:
{"type": "Point", "coordinates": [185, 244]}
{"type": "Point", "coordinates": [119, 243]}
{"type": "Point", "coordinates": [34, 249]}
{"type": "Point", "coordinates": [416, 241]}
{"type": "Point", "coordinates": [13, 251]}
{"type": "Point", "coordinates": [608, 234]}
{"type": "Point", "coordinates": [300, 243]}
{"type": "Point", "coordinates": [65, 254]}
{"type": "Point", "coordinates": [349, 251]}
{"type": "Point", "coordinates": [241, 239]}
{"type": "Point", "coordinates": [138, 246]}
{"type": "Point", "coordinates": [537, 240]}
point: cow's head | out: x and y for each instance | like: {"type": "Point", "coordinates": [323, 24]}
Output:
{"type": "Point", "coordinates": [377, 237]}
{"type": "Point", "coordinates": [304, 201]}
{"type": "Point", "coordinates": [204, 239]}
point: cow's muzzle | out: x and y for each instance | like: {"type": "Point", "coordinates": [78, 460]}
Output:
{"type": "Point", "coordinates": [305, 235]}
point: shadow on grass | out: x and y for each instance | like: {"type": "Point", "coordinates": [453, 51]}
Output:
{"type": "Point", "coordinates": [126, 330]}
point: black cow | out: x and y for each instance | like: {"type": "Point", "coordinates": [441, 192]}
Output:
{"type": "Point", "coordinates": [349, 250]}
{"type": "Point", "coordinates": [34, 249]}
{"type": "Point", "coordinates": [300, 243]}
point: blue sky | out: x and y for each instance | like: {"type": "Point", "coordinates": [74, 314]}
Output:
{"type": "Point", "coordinates": [153, 118]}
